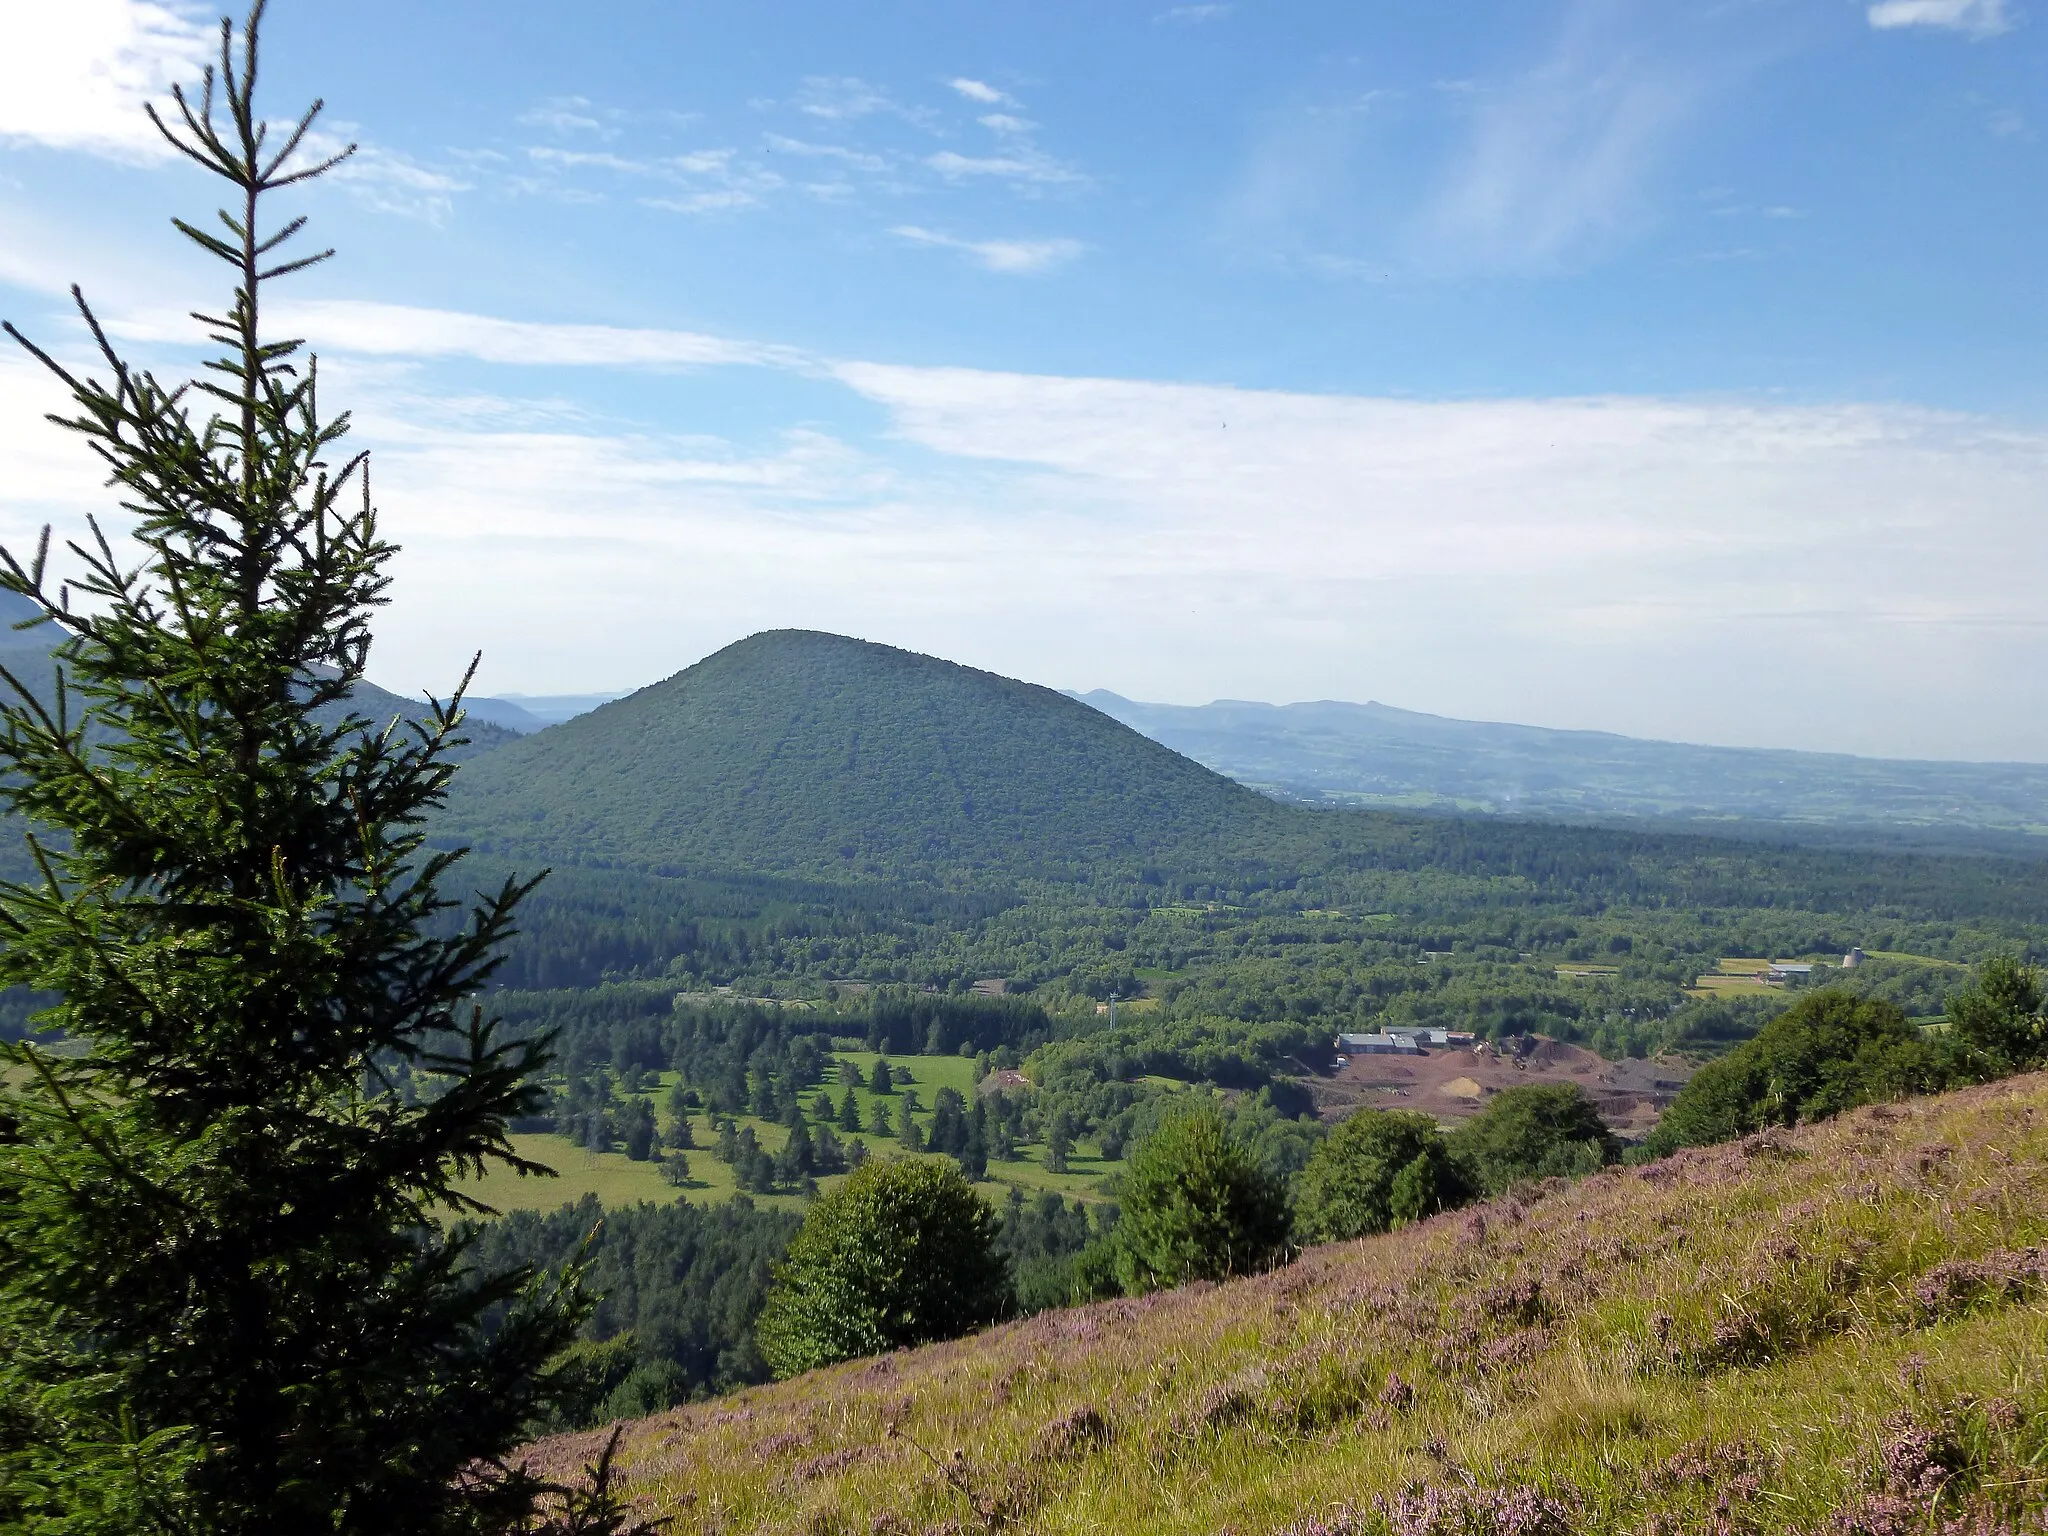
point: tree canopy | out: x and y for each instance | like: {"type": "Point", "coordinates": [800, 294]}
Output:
{"type": "Point", "coordinates": [1536, 1131]}
{"type": "Point", "coordinates": [1377, 1170]}
{"type": "Point", "coordinates": [1829, 1052]}
{"type": "Point", "coordinates": [1197, 1206]}
{"type": "Point", "coordinates": [902, 1253]}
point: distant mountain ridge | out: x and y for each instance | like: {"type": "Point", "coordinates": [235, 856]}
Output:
{"type": "Point", "coordinates": [1372, 754]}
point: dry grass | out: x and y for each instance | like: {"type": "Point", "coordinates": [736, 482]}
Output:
{"type": "Point", "coordinates": [1837, 1330]}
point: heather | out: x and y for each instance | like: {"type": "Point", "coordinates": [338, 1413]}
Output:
{"type": "Point", "coordinates": [1831, 1329]}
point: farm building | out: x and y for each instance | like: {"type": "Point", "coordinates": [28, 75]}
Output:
{"type": "Point", "coordinates": [1376, 1045]}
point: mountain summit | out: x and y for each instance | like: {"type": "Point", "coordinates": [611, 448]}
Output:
{"type": "Point", "coordinates": [794, 752]}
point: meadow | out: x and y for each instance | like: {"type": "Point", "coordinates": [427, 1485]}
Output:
{"type": "Point", "coordinates": [617, 1180]}
{"type": "Point", "coordinates": [1844, 1323]}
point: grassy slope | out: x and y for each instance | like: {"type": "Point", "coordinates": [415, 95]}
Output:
{"type": "Point", "coordinates": [1742, 1322]}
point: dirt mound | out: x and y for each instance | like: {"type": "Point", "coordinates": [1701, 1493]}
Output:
{"type": "Point", "coordinates": [1555, 1056]}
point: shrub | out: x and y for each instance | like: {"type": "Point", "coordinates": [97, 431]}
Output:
{"type": "Point", "coordinates": [1996, 1026]}
{"type": "Point", "coordinates": [1536, 1131]}
{"type": "Point", "coordinates": [1377, 1170]}
{"type": "Point", "coordinates": [1196, 1206]}
{"type": "Point", "coordinates": [901, 1253]}
{"type": "Point", "coordinates": [1828, 1052]}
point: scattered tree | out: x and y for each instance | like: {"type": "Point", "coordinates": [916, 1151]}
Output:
{"type": "Point", "coordinates": [1535, 1131]}
{"type": "Point", "coordinates": [636, 1130]}
{"type": "Point", "coordinates": [1996, 1027]}
{"type": "Point", "coordinates": [1379, 1169]}
{"type": "Point", "coordinates": [1059, 1141]}
{"type": "Point", "coordinates": [1828, 1052]}
{"type": "Point", "coordinates": [901, 1253]}
{"type": "Point", "coordinates": [1197, 1206]}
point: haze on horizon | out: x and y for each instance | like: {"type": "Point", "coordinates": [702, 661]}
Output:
{"type": "Point", "coordinates": [1667, 369]}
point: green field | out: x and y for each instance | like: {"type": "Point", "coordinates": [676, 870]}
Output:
{"type": "Point", "coordinates": [617, 1180]}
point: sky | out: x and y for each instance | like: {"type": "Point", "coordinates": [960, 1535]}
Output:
{"type": "Point", "coordinates": [1672, 367]}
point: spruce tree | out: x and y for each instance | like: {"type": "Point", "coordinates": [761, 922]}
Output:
{"type": "Point", "coordinates": [234, 1286]}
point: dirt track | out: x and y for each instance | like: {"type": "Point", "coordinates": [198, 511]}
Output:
{"type": "Point", "coordinates": [1454, 1082]}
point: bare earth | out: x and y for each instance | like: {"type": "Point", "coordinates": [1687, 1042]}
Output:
{"type": "Point", "coordinates": [1453, 1082]}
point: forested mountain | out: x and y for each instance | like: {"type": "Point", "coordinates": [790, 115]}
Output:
{"type": "Point", "coordinates": [796, 753]}
{"type": "Point", "coordinates": [1372, 754]}
{"type": "Point", "coordinates": [801, 806]}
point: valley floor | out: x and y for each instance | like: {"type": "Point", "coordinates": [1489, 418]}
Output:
{"type": "Point", "coordinates": [1839, 1329]}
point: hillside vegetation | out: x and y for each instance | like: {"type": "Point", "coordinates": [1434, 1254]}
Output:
{"type": "Point", "coordinates": [1835, 1329]}
{"type": "Point", "coordinates": [805, 807]}
{"type": "Point", "coordinates": [807, 754]}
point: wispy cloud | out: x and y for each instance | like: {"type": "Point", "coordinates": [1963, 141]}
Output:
{"type": "Point", "coordinates": [704, 180]}
{"type": "Point", "coordinates": [370, 329]}
{"type": "Point", "coordinates": [981, 91]}
{"type": "Point", "coordinates": [846, 98]}
{"type": "Point", "coordinates": [1976, 18]}
{"type": "Point", "coordinates": [1558, 162]}
{"type": "Point", "coordinates": [1019, 164]}
{"type": "Point", "coordinates": [385, 179]}
{"type": "Point", "coordinates": [565, 115]}
{"type": "Point", "coordinates": [1629, 563]}
{"type": "Point", "coordinates": [1023, 257]}
{"type": "Point", "coordinates": [76, 75]}
{"type": "Point", "coordinates": [1194, 13]}
{"type": "Point", "coordinates": [854, 159]}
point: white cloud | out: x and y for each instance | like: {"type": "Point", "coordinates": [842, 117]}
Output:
{"type": "Point", "coordinates": [565, 115]}
{"type": "Point", "coordinates": [1020, 165]}
{"type": "Point", "coordinates": [388, 181]}
{"type": "Point", "coordinates": [1708, 570]}
{"type": "Point", "coordinates": [1194, 13]}
{"type": "Point", "coordinates": [854, 159]}
{"type": "Point", "coordinates": [976, 90]}
{"type": "Point", "coordinates": [843, 98]}
{"type": "Point", "coordinates": [1011, 256]}
{"type": "Point", "coordinates": [711, 180]}
{"type": "Point", "coordinates": [75, 74]}
{"type": "Point", "coordinates": [1978, 18]}
{"type": "Point", "coordinates": [1605, 561]}
{"type": "Point", "coordinates": [398, 330]}
{"type": "Point", "coordinates": [1559, 160]}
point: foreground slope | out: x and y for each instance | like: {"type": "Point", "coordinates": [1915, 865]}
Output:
{"type": "Point", "coordinates": [809, 754]}
{"type": "Point", "coordinates": [1843, 1324]}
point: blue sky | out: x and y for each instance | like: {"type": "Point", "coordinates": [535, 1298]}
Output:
{"type": "Point", "coordinates": [1673, 368]}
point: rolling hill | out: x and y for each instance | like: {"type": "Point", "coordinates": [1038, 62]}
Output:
{"type": "Point", "coordinates": [1374, 755]}
{"type": "Point", "coordinates": [1836, 1329]}
{"type": "Point", "coordinates": [807, 754]}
